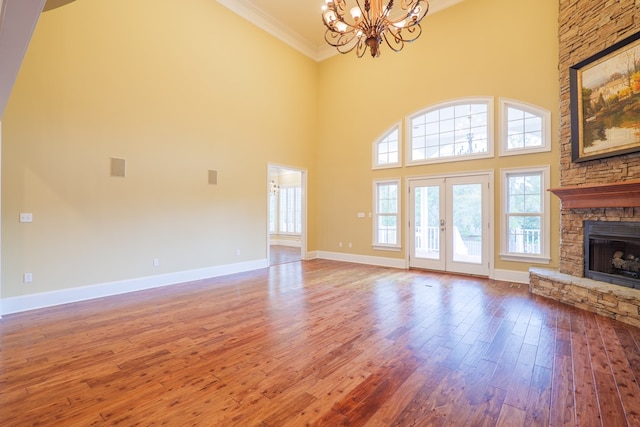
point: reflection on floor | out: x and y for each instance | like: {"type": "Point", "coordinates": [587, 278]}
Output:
{"type": "Point", "coordinates": [282, 254]}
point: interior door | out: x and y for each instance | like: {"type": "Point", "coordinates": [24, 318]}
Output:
{"type": "Point", "coordinates": [449, 224]}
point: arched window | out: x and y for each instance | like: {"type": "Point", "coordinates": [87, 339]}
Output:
{"type": "Point", "coordinates": [454, 130]}
{"type": "Point", "coordinates": [524, 128]}
{"type": "Point", "coordinates": [387, 149]}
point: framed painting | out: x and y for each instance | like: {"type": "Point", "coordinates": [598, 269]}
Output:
{"type": "Point", "coordinates": [605, 102]}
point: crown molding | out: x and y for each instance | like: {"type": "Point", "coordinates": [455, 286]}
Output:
{"type": "Point", "coordinates": [266, 22]}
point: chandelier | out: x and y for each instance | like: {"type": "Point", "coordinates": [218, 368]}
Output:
{"type": "Point", "coordinates": [370, 22]}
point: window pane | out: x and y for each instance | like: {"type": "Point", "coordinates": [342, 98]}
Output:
{"type": "Point", "coordinates": [459, 130]}
{"type": "Point", "coordinates": [524, 193]}
{"type": "Point", "coordinates": [524, 234]}
{"type": "Point", "coordinates": [387, 149]}
{"type": "Point", "coordinates": [532, 184]}
{"type": "Point", "coordinates": [524, 129]}
{"type": "Point", "coordinates": [290, 210]}
{"type": "Point", "coordinates": [387, 229]}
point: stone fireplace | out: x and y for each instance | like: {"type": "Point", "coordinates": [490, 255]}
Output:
{"type": "Point", "coordinates": [596, 217]}
{"type": "Point", "coordinates": [603, 190]}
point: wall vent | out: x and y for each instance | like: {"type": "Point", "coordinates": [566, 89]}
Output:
{"type": "Point", "coordinates": [118, 167]}
{"type": "Point", "coordinates": [213, 177]}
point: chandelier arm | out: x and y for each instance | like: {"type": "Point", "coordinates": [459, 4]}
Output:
{"type": "Point", "coordinates": [405, 34]}
{"type": "Point", "coordinates": [344, 44]}
{"type": "Point", "coordinates": [397, 45]}
{"type": "Point", "coordinates": [410, 19]}
{"type": "Point", "coordinates": [409, 6]}
{"type": "Point", "coordinates": [362, 48]}
{"type": "Point", "coordinates": [338, 40]}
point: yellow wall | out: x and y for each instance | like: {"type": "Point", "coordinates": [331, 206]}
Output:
{"type": "Point", "coordinates": [497, 48]}
{"type": "Point", "coordinates": [176, 90]}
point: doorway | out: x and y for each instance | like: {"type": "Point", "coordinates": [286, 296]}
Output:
{"type": "Point", "coordinates": [449, 223]}
{"type": "Point", "coordinates": [286, 228]}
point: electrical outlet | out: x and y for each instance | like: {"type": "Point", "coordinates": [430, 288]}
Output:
{"type": "Point", "coordinates": [27, 278]}
{"type": "Point", "coordinates": [26, 217]}
{"type": "Point", "coordinates": [237, 251]}
{"type": "Point", "coordinates": [156, 262]}
{"type": "Point", "coordinates": [350, 244]}
{"type": "Point", "coordinates": [339, 244]}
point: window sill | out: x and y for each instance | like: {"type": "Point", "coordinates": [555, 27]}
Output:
{"type": "Point", "coordinates": [531, 259]}
{"type": "Point", "coordinates": [387, 248]}
{"type": "Point", "coordinates": [386, 166]}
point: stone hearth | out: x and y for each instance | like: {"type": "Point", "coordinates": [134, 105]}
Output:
{"type": "Point", "coordinates": [613, 301]}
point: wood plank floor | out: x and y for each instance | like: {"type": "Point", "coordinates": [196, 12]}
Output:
{"type": "Point", "coordinates": [279, 254]}
{"type": "Point", "coordinates": [320, 343]}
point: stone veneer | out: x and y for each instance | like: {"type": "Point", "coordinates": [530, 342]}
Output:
{"type": "Point", "coordinates": [616, 302]}
{"type": "Point", "coordinates": [586, 27]}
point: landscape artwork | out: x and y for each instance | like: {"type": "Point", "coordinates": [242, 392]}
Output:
{"type": "Point", "coordinates": [605, 102]}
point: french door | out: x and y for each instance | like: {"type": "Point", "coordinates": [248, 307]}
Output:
{"type": "Point", "coordinates": [449, 224]}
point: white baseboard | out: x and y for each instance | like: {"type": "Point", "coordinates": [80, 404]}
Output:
{"type": "Point", "coordinates": [363, 259]}
{"type": "Point", "coordinates": [64, 296]}
{"type": "Point", "coordinates": [511, 276]}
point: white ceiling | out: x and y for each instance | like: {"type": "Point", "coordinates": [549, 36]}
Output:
{"type": "Point", "coordinates": [298, 22]}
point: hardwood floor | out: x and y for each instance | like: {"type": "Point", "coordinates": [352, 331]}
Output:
{"type": "Point", "coordinates": [320, 343]}
{"type": "Point", "coordinates": [279, 254]}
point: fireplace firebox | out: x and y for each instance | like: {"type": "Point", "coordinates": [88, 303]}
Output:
{"type": "Point", "coordinates": [612, 252]}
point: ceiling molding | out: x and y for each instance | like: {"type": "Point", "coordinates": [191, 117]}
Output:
{"type": "Point", "coordinates": [284, 33]}
{"type": "Point", "coordinates": [266, 22]}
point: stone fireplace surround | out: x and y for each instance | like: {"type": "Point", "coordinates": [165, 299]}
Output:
{"type": "Point", "coordinates": [586, 27]}
{"type": "Point", "coordinates": [601, 202]}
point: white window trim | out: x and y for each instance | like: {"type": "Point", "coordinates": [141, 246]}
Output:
{"type": "Point", "coordinates": [459, 101]}
{"type": "Point", "coordinates": [505, 103]}
{"type": "Point", "coordinates": [381, 246]}
{"type": "Point", "coordinates": [374, 151]}
{"type": "Point", "coordinates": [545, 234]}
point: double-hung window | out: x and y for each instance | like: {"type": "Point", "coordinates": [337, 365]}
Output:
{"type": "Point", "coordinates": [386, 224]}
{"type": "Point", "coordinates": [525, 206]}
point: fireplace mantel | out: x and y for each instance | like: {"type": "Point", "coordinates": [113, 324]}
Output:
{"type": "Point", "coordinates": [623, 194]}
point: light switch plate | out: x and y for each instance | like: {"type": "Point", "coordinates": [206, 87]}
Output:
{"type": "Point", "coordinates": [26, 217]}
